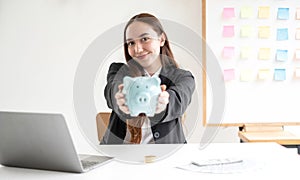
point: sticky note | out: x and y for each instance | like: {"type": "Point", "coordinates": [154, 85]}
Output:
{"type": "Point", "coordinates": [282, 34]}
{"type": "Point", "coordinates": [245, 52]}
{"type": "Point", "coordinates": [228, 31]}
{"type": "Point", "coordinates": [264, 74]}
{"type": "Point", "coordinates": [246, 12]}
{"type": "Point", "coordinates": [228, 13]}
{"type": "Point", "coordinates": [264, 53]}
{"type": "Point", "coordinates": [264, 31]}
{"type": "Point", "coordinates": [279, 74]}
{"type": "Point", "coordinates": [228, 52]}
{"type": "Point", "coordinates": [246, 75]}
{"type": "Point", "coordinates": [263, 12]}
{"type": "Point", "coordinates": [228, 74]}
{"type": "Point", "coordinates": [297, 72]}
{"type": "Point", "coordinates": [283, 13]}
{"type": "Point", "coordinates": [281, 55]}
{"type": "Point", "coordinates": [298, 13]}
{"type": "Point", "coordinates": [297, 36]}
{"type": "Point", "coordinates": [246, 31]}
{"type": "Point", "coordinates": [297, 54]}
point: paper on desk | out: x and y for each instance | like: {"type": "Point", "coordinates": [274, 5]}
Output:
{"type": "Point", "coordinates": [222, 166]}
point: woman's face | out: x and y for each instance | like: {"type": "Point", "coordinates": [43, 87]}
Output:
{"type": "Point", "coordinates": [144, 45]}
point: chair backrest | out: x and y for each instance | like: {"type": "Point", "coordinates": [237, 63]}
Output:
{"type": "Point", "coordinates": [102, 120]}
{"type": "Point", "coordinates": [183, 119]}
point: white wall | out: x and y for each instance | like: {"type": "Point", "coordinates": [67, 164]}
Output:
{"type": "Point", "coordinates": [42, 41]}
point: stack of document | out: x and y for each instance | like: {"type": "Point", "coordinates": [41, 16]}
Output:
{"type": "Point", "coordinates": [221, 166]}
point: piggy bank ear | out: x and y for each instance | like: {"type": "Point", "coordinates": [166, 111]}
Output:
{"type": "Point", "coordinates": [127, 81]}
{"type": "Point", "coordinates": [155, 80]}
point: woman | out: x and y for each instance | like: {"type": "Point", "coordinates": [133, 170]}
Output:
{"type": "Point", "coordinates": [148, 53]}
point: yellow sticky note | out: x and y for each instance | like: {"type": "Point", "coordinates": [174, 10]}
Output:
{"type": "Point", "coordinates": [264, 31]}
{"type": "Point", "coordinates": [298, 14]}
{"type": "Point", "coordinates": [297, 37]}
{"type": "Point", "coordinates": [246, 12]}
{"type": "Point", "coordinates": [264, 53]}
{"type": "Point", "coordinates": [297, 54]}
{"type": "Point", "coordinates": [264, 74]}
{"type": "Point", "coordinates": [245, 52]}
{"type": "Point", "coordinates": [246, 75]}
{"type": "Point", "coordinates": [246, 31]}
{"type": "Point", "coordinates": [263, 12]}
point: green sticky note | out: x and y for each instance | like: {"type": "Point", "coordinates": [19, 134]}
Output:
{"type": "Point", "coordinates": [246, 12]}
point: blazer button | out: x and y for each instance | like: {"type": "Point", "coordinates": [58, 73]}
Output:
{"type": "Point", "coordinates": [156, 134]}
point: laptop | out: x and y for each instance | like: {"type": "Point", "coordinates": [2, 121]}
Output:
{"type": "Point", "coordinates": [41, 141]}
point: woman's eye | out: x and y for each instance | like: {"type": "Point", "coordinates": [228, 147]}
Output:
{"type": "Point", "coordinates": [130, 43]}
{"type": "Point", "coordinates": [144, 39]}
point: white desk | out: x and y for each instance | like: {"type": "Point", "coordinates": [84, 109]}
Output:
{"type": "Point", "coordinates": [278, 161]}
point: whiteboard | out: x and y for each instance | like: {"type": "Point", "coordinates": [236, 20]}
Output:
{"type": "Point", "coordinates": [247, 38]}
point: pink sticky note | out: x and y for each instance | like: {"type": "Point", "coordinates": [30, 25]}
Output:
{"type": "Point", "coordinates": [228, 74]}
{"type": "Point", "coordinates": [297, 36]}
{"type": "Point", "coordinates": [228, 31]}
{"type": "Point", "coordinates": [297, 72]}
{"type": "Point", "coordinates": [228, 13]}
{"type": "Point", "coordinates": [297, 54]}
{"type": "Point", "coordinates": [228, 52]}
{"type": "Point", "coordinates": [298, 14]}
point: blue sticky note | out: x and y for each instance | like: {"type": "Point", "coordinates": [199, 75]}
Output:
{"type": "Point", "coordinates": [282, 34]}
{"type": "Point", "coordinates": [283, 13]}
{"type": "Point", "coordinates": [281, 55]}
{"type": "Point", "coordinates": [279, 74]}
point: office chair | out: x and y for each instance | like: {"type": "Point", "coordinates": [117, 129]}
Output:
{"type": "Point", "coordinates": [102, 120]}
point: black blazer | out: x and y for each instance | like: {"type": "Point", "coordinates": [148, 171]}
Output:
{"type": "Point", "coordinates": [166, 126]}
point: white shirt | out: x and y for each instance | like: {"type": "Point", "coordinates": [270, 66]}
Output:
{"type": "Point", "coordinates": [147, 136]}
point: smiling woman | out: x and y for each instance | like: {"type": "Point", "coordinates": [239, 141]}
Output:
{"type": "Point", "coordinates": [148, 53]}
{"type": "Point", "coordinates": [144, 48]}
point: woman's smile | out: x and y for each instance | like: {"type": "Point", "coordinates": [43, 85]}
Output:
{"type": "Point", "coordinates": [142, 56]}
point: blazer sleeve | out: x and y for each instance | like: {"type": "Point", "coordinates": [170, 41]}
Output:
{"type": "Point", "coordinates": [115, 76]}
{"type": "Point", "coordinates": [180, 86]}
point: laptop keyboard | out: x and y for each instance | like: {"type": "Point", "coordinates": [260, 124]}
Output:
{"type": "Point", "coordinates": [88, 164]}
{"type": "Point", "coordinates": [91, 161]}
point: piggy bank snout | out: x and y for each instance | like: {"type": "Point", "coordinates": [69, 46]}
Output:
{"type": "Point", "coordinates": [141, 94]}
{"type": "Point", "coordinates": [143, 98]}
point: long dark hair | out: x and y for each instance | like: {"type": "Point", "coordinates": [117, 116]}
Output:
{"type": "Point", "coordinates": [166, 54]}
{"type": "Point", "coordinates": [167, 59]}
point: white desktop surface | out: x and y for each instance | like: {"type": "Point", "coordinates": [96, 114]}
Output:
{"type": "Point", "coordinates": [273, 160]}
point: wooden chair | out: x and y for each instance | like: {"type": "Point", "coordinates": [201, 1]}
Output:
{"type": "Point", "coordinates": [102, 120]}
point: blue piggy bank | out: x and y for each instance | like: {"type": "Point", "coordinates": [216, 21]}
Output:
{"type": "Point", "coordinates": [141, 94]}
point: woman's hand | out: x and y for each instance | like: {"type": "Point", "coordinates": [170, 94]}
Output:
{"type": "Point", "coordinates": [163, 100]}
{"type": "Point", "coordinates": [120, 97]}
